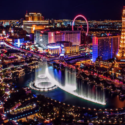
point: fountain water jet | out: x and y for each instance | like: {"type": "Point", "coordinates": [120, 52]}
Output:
{"type": "Point", "coordinates": [71, 86]}
{"type": "Point", "coordinates": [42, 82]}
{"type": "Point", "coordinates": [70, 80]}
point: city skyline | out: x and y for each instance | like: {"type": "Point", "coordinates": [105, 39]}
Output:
{"type": "Point", "coordinates": [60, 64]}
{"type": "Point", "coordinates": [66, 9]}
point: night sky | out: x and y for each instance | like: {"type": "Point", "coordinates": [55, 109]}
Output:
{"type": "Point", "coordinates": [63, 9]}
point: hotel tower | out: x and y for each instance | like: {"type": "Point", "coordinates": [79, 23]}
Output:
{"type": "Point", "coordinates": [121, 51]}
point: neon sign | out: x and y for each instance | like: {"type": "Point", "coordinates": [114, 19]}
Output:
{"type": "Point", "coordinates": [84, 19]}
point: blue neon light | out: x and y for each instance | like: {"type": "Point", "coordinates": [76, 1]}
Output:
{"type": "Point", "coordinates": [95, 52]}
{"type": "Point", "coordinates": [34, 95]}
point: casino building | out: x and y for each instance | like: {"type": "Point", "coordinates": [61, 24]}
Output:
{"type": "Point", "coordinates": [34, 17]}
{"type": "Point", "coordinates": [106, 47]}
{"type": "Point", "coordinates": [62, 48]}
{"type": "Point", "coordinates": [42, 38]}
{"type": "Point", "coordinates": [34, 21]}
{"type": "Point", "coordinates": [72, 36]}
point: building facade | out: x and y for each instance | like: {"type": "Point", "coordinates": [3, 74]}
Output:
{"type": "Point", "coordinates": [34, 17]}
{"type": "Point", "coordinates": [106, 47]}
{"type": "Point", "coordinates": [72, 36]}
{"type": "Point", "coordinates": [43, 38]}
{"type": "Point", "coordinates": [62, 48]}
{"type": "Point", "coordinates": [34, 21]}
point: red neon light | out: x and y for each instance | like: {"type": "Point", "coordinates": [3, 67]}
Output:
{"type": "Point", "coordinates": [1, 37]}
{"type": "Point", "coordinates": [84, 19]}
{"type": "Point", "coordinates": [57, 32]}
{"type": "Point", "coordinates": [42, 32]}
{"type": "Point", "coordinates": [96, 40]}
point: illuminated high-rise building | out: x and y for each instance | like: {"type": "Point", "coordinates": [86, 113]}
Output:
{"type": "Point", "coordinates": [72, 36]}
{"type": "Point", "coordinates": [106, 47]}
{"type": "Point", "coordinates": [121, 52]}
{"type": "Point", "coordinates": [34, 21]}
{"type": "Point", "coordinates": [43, 38]}
{"type": "Point", "coordinates": [34, 17]}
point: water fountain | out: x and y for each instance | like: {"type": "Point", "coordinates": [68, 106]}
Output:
{"type": "Point", "coordinates": [88, 92]}
{"type": "Point", "coordinates": [42, 82]}
{"type": "Point", "coordinates": [70, 79]}
{"type": "Point", "coordinates": [91, 92]}
{"type": "Point", "coordinates": [50, 78]}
